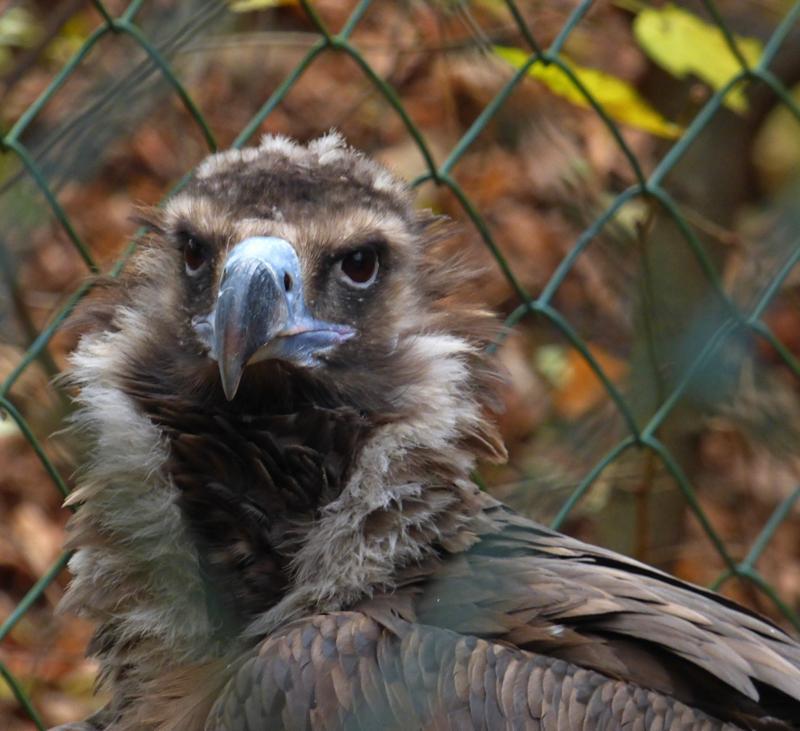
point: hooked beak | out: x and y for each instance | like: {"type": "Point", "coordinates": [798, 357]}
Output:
{"type": "Point", "coordinates": [261, 312]}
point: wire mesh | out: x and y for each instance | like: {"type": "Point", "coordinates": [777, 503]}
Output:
{"type": "Point", "coordinates": [648, 187]}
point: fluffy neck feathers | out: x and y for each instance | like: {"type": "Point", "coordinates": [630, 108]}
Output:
{"type": "Point", "coordinates": [141, 571]}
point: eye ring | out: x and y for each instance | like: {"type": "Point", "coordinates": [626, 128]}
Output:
{"type": "Point", "coordinates": [359, 268]}
{"type": "Point", "coordinates": [195, 255]}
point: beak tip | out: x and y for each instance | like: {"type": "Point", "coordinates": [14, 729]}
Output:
{"type": "Point", "coordinates": [230, 382]}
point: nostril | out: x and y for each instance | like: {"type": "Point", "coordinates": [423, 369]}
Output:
{"type": "Point", "coordinates": [288, 282]}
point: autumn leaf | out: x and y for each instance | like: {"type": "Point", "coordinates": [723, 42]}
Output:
{"type": "Point", "coordinates": [249, 6]}
{"type": "Point", "coordinates": [576, 387]}
{"type": "Point", "coordinates": [618, 98]}
{"type": "Point", "coordinates": [683, 44]}
{"type": "Point", "coordinates": [18, 28]}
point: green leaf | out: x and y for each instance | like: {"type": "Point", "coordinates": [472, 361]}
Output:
{"type": "Point", "coordinates": [248, 6]}
{"type": "Point", "coordinates": [683, 44]}
{"type": "Point", "coordinates": [617, 97]}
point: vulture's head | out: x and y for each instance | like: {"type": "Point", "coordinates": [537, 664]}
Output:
{"type": "Point", "coordinates": [302, 263]}
{"type": "Point", "coordinates": [285, 393]}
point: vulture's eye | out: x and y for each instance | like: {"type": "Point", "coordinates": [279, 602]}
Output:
{"type": "Point", "coordinates": [359, 268]}
{"type": "Point", "coordinates": [195, 254]}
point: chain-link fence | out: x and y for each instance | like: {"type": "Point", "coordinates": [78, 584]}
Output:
{"type": "Point", "coordinates": [644, 437]}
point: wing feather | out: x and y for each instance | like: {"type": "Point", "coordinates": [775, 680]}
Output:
{"type": "Point", "coordinates": [543, 592]}
{"type": "Point", "coordinates": [366, 676]}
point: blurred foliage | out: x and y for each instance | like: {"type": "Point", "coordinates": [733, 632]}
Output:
{"type": "Point", "coordinates": [19, 28]}
{"type": "Point", "coordinates": [776, 150]}
{"type": "Point", "coordinates": [248, 6]}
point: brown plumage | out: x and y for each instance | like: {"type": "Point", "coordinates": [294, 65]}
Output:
{"type": "Point", "coordinates": [285, 395]}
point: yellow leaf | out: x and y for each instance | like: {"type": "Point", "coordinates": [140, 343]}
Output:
{"type": "Point", "coordinates": [683, 44]}
{"type": "Point", "coordinates": [248, 6]}
{"type": "Point", "coordinates": [618, 98]}
{"type": "Point", "coordinates": [776, 148]}
{"type": "Point", "coordinates": [19, 27]}
{"type": "Point", "coordinates": [70, 38]}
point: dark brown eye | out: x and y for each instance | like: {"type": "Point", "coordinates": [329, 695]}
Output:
{"type": "Point", "coordinates": [360, 267]}
{"type": "Point", "coordinates": [195, 254]}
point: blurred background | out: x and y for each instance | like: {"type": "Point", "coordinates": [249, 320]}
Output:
{"type": "Point", "coordinates": [627, 173]}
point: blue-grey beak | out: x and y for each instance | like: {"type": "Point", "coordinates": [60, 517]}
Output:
{"type": "Point", "coordinates": [261, 312]}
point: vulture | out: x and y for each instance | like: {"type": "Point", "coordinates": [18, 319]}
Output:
{"type": "Point", "coordinates": [283, 399]}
